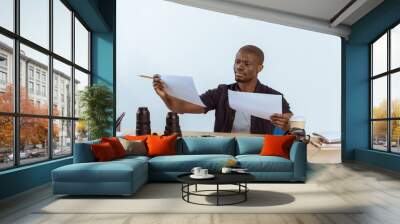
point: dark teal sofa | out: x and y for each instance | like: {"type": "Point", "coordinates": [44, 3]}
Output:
{"type": "Point", "coordinates": [125, 176]}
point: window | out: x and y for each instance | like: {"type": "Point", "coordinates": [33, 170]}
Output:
{"type": "Point", "coordinates": [38, 89]}
{"type": "Point", "coordinates": [37, 74]}
{"type": "Point", "coordinates": [3, 78]}
{"type": "Point", "coordinates": [30, 72]}
{"type": "Point", "coordinates": [81, 45]}
{"type": "Point", "coordinates": [30, 87]}
{"type": "Point", "coordinates": [55, 102]}
{"type": "Point", "coordinates": [35, 21]}
{"type": "Point", "coordinates": [6, 74]}
{"type": "Point", "coordinates": [7, 14]}
{"type": "Point", "coordinates": [62, 74]}
{"type": "Point", "coordinates": [3, 61]}
{"type": "Point", "coordinates": [6, 142]}
{"type": "Point", "coordinates": [81, 81]}
{"type": "Point", "coordinates": [385, 91]}
{"type": "Point", "coordinates": [55, 128]}
{"type": "Point", "coordinates": [395, 47]}
{"type": "Point", "coordinates": [3, 72]}
{"type": "Point", "coordinates": [62, 140]}
{"type": "Point", "coordinates": [44, 91]}
{"type": "Point", "coordinates": [62, 29]}
{"type": "Point", "coordinates": [33, 149]}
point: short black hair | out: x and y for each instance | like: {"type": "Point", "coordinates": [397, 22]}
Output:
{"type": "Point", "coordinates": [254, 50]}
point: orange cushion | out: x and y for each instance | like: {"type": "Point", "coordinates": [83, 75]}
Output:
{"type": "Point", "coordinates": [277, 145]}
{"type": "Point", "coordinates": [103, 151]}
{"type": "Point", "coordinates": [161, 145]}
{"type": "Point", "coordinates": [116, 145]}
{"type": "Point", "coordinates": [135, 138]}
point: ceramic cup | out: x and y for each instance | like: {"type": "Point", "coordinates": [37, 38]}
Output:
{"type": "Point", "coordinates": [297, 122]}
{"type": "Point", "coordinates": [203, 172]}
{"type": "Point", "coordinates": [196, 171]}
{"type": "Point", "coordinates": [226, 170]}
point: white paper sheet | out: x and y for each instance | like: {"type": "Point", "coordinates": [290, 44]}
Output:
{"type": "Point", "coordinates": [257, 104]}
{"type": "Point", "coordinates": [182, 87]}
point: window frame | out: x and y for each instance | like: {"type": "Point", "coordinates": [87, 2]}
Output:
{"type": "Point", "coordinates": [16, 114]}
{"type": "Point", "coordinates": [388, 74]}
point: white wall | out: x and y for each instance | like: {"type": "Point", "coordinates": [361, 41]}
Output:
{"type": "Point", "coordinates": [155, 36]}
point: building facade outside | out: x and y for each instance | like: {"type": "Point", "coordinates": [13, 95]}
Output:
{"type": "Point", "coordinates": [34, 99]}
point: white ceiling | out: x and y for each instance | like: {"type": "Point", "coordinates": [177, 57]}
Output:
{"type": "Point", "coordinates": [320, 9]}
{"type": "Point", "coordinates": [316, 15]}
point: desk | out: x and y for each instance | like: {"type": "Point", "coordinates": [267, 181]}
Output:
{"type": "Point", "coordinates": [224, 134]}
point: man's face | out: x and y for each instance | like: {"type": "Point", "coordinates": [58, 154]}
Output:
{"type": "Point", "coordinates": [246, 66]}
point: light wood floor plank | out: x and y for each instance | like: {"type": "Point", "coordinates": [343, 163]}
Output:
{"type": "Point", "coordinates": [377, 191]}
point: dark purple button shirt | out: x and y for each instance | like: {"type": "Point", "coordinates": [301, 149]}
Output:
{"type": "Point", "coordinates": [217, 99]}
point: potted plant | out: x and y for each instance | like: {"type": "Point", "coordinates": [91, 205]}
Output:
{"type": "Point", "coordinates": [96, 102]}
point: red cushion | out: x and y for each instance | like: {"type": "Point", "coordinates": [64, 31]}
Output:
{"type": "Point", "coordinates": [103, 151]}
{"type": "Point", "coordinates": [116, 145]}
{"type": "Point", "coordinates": [277, 145]}
{"type": "Point", "coordinates": [135, 137]}
{"type": "Point", "coordinates": [161, 145]}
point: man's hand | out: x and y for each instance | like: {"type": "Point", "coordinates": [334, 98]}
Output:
{"type": "Point", "coordinates": [173, 103]}
{"type": "Point", "coordinates": [159, 86]}
{"type": "Point", "coordinates": [281, 120]}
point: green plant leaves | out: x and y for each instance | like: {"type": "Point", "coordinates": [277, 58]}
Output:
{"type": "Point", "coordinates": [97, 104]}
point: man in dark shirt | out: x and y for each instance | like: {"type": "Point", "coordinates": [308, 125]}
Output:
{"type": "Point", "coordinates": [248, 63]}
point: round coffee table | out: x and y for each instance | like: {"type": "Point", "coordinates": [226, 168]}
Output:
{"type": "Point", "coordinates": [238, 179]}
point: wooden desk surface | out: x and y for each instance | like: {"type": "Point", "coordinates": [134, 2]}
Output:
{"type": "Point", "coordinates": [200, 133]}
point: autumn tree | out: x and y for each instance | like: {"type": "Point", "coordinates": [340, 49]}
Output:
{"type": "Point", "coordinates": [396, 123]}
{"type": "Point", "coordinates": [380, 127]}
{"type": "Point", "coordinates": [6, 122]}
{"type": "Point", "coordinates": [33, 131]}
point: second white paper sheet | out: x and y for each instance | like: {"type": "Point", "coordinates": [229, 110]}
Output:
{"type": "Point", "coordinates": [257, 104]}
{"type": "Point", "coordinates": [182, 87]}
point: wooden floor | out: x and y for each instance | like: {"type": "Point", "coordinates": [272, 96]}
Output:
{"type": "Point", "coordinates": [377, 188]}
{"type": "Point", "coordinates": [318, 156]}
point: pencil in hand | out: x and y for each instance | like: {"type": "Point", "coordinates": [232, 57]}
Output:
{"type": "Point", "coordinates": [145, 76]}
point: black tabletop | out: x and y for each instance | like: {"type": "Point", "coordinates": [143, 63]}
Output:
{"type": "Point", "coordinates": [220, 178]}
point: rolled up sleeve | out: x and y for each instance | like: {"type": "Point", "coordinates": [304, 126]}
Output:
{"type": "Point", "coordinates": [210, 99]}
{"type": "Point", "coordinates": [285, 106]}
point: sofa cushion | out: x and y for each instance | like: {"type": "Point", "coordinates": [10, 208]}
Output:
{"type": "Point", "coordinates": [111, 171]}
{"type": "Point", "coordinates": [161, 145]}
{"type": "Point", "coordinates": [185, 163]}
{"type": "Point", "coordinates": [136, 137]}
{"type": "Point", "coordinates": [257, 163]}
{"type": "Point", "coordinates": [277, 145]}
{"type": "Point", "coordinates": [134, 147]}
{"type": "Point", "coordinates": [103, 152]}
{"type": "Point", "coordinates": [249, 145]}
{"type": "Point", "coordinates": [207, 145]}
{"type": "Point", "coordinates": [116, 145]}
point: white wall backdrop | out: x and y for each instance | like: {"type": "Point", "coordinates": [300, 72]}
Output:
{"type": "Point", "coordinates": [156, 36]}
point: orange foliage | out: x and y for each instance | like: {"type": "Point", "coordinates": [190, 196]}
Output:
{"type": "Point", "coordinates": [33, 130]}
{"type": "Point", "coordinates": [380, 111]}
